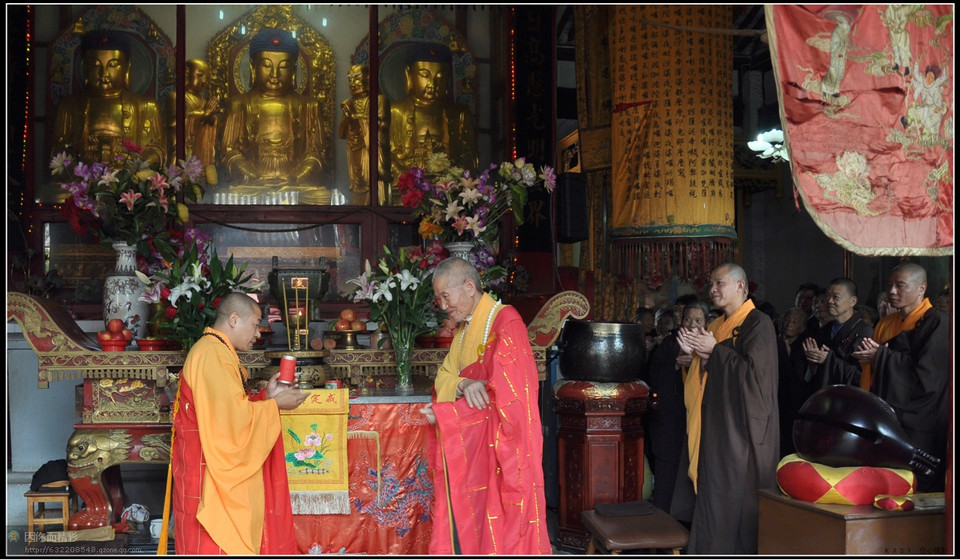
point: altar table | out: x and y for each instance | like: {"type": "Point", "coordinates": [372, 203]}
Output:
{"type": "Point", "coordinates": [400, 519]}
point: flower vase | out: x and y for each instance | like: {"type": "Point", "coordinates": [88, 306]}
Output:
{"type": "Point", "coordinates": [403, 351]}
{"type": "Point", "coordinates": [460, 249]}
{"type": "Point", "coordinates": [122, 291]}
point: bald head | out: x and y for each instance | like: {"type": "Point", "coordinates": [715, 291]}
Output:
{"type": "Point", "coordinates": [238, 316]}
{"type": "Point", "coordinates": [907, 287]}
{"type": "Point", "coordinates": [456, 271]}
{"type": "Point", "coordinates": [915, 271]}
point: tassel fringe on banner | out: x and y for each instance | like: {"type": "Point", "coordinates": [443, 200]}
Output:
{"type": "Point", "coordinates": [655, 260]}
{"type": "Point", "coordinates": [320, 502]}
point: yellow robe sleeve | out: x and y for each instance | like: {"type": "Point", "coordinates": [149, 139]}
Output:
{"type": "Point", "coordinates": [464, 351]}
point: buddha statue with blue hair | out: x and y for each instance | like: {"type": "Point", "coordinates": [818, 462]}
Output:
{"type": "Point", "coordinates": [93, 124]}
{"type": "Point", "coordinates": [273, 137]}
{"type": "Point", "coordinates": [427, 120]}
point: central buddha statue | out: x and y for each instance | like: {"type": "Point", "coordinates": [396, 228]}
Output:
{"type": "Point", "coordinates": [93, 124]}
{"type": "Point", "coordinates": [273, 137]}
{"type": "Point", "coordinates": [427, 120]}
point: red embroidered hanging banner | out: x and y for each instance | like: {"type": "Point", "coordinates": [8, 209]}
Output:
{"type": "Point", "coordinates": [866, 94]}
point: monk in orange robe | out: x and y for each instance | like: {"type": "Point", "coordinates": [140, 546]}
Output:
{"type": "Point", "coordinates": [230, 491]}
{"type": "Point", "coordinates": [488, 447]}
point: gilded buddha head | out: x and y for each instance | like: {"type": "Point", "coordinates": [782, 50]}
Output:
{"type": "Point", "coordinates": [273, 62]}
{"type": "Point", "coordinates": [428, 72]}
{"type": "Point", "coordinates": [198, 73]}
{"type": "Point", "coordinates": [106, 62]}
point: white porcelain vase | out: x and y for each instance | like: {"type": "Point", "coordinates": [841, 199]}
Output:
{"type": "Point", "coordinates": [122, 291]}
{"type": "Point", "coordinates": [460, 249]}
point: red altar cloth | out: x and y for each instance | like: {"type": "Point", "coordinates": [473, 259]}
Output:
{"type": "Point", "coordinates": [399, 522]}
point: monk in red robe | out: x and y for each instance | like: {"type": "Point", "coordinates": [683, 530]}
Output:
{"type": "Point", "coordinates": [488, 449]}
{"type": "Point", "coordinates": [230, 491]}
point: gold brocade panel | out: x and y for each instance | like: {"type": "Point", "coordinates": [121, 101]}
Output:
{"type": "Point", "coordinates": [672, 121]}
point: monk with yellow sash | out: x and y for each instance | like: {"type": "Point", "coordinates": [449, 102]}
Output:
{"type": "Point", "coordinates": [733, 429]}
{"type": "Point", "coordinates": [488, 449]}
{"type": "Point", "coordinates": [907, 363]}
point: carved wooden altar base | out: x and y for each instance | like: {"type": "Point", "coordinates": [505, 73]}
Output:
{"type": "Point", "coordinates": [94, 454]}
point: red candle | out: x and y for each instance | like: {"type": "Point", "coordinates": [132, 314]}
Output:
{"type": "Point", "coordinates": [288, 366]}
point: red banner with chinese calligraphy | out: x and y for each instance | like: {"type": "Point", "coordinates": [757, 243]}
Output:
{"type": "Point", "coordinates": [866, 97]}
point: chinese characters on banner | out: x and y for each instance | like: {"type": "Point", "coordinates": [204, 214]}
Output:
{"type": "Point", "coordinates": [866, 93]}
{"type": "Point", "coordinates": [672, 121]}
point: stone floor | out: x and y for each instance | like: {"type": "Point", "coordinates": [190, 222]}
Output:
{"type": "Point", "coordinates": [145, 545]}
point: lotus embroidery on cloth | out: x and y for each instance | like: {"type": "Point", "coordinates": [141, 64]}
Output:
{"type": "Point", "coordinates": [315, 449]}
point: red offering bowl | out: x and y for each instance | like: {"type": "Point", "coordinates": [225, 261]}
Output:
{"type": "Point", "coordinates": [442, 341]}
{"type": "Point", "coordinates": [151, 345]}
{"type": "Point", "coordinates": [114, 345]}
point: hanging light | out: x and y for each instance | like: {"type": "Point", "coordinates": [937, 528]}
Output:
{"type": "Point", "coordinates": [769, 145]}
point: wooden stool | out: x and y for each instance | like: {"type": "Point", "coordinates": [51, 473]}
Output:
{"type": "Point", "coordinates": [614, 534]}
{"type": "Point", "coordinates": [41, 516]}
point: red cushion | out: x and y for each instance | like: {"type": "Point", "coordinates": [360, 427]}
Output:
{"type": "Point", "coordinates": [817, 483]}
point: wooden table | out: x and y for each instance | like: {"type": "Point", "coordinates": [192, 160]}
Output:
{"type": "Point", "coordinates": [790, 526]}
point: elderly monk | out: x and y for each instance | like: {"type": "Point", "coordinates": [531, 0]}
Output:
{"type": "Point", "coordinates": [230, 491]}
{"type": "Point", "coordinates": [488, 449]}
{"type": "Point", "coordinates": [907, 364]}
{"type": "Point", "coordinates": [93, 124]}
{"type": "Point", "coordinates": [428, 120]}
{"type": "Point", "coordinates": [272, 136]}
{"type": "Point", "coordinates": [733, 431]}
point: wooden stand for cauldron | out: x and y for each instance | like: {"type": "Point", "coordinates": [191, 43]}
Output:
{"type": "Point", "coordinates": [600, 450]}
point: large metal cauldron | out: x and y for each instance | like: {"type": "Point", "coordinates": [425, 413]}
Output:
{"type": "Point", "coordinates": [601, 351]}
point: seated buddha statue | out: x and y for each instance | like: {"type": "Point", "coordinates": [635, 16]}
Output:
{"type": "Point", "coordinates": [200, 119]}
{"type": "Point", "coordinates": [272, 136]}
{"type": "Point", "coordinates": [93, 124]}
{"type": "Point", "coordinates": [427, 120]}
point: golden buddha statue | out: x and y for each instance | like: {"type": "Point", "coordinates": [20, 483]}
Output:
{"type": "Point", "coordinates": [93, 124]}
{"type": "Point", "coordinates": [355, 129]}
{"type": "Point", "coordinates": [428, 120]}
{"type": "Point", "coordinates": [200, 119]}
{"type": "Point", "coordinates": [273, 136]}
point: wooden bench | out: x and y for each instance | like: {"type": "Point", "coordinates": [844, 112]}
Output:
{"type": "Point", "coordinates": [613, 534]}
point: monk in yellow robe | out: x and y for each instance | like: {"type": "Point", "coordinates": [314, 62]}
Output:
{"type": "Point", "coordinates": [230, 481]}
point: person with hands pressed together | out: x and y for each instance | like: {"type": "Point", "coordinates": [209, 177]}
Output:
{"type": "Point", "coordinates": [907, 364]}
{"type": "Point", "coordinates": [733, 434]}
{"type": "Point", "coordinates": [488, 446]}
{"type": "Point", "coordinates": [230, 481]}
{"type": "Point", "coordinates": [832, 362]}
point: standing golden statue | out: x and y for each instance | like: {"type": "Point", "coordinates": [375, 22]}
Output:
{"type": "Point", "coordinates": [200, 119]}
{"type": "Point", "coordinates": [355, 128]}
{"type": "Point", "coordinates": [273, 136]}
{"type": "Point", "coordinates": [93, 124]}
{"type": "Point", "coordinates": [428, 120]}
